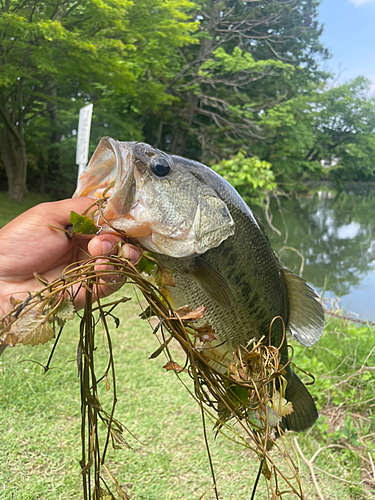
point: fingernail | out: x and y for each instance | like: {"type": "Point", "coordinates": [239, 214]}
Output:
{"type": "Point", "coordinates": [106, 247]}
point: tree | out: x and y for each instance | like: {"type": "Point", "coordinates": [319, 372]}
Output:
{"type": "Point", "coordinates": [326, 132]}
{"type": "Point", "coordinates": [344, 131]}
{"type": "Point", "coordinates": [249, 57]}
{"type": "Point", "coordinates": [289, 134]}
{"type": "Point", "coordinates": [62, 52]}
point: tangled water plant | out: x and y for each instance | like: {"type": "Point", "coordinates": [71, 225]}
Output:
{"type": "Point", "coordinates": [245, 403]}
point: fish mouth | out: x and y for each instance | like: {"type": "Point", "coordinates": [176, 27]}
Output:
{"type": "Point", "coordinates": [110, 173]}
{"type": "Point", "coordinates": [175, 215]}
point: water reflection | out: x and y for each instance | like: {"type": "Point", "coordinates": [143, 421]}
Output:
{"type": "Point", "coordinates": [335, 234]}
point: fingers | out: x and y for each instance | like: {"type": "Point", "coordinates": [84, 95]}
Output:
{"type": "Point", "coordinates": [106, 244]}
{"type": "Point", "coordinates": [59, 211]}
{"type": "Point", "coordinates": [131, 252]}
{"type": "Point", "coordinates": [110, 281]}
{"type": "Point", "coordinates": [103, 244]}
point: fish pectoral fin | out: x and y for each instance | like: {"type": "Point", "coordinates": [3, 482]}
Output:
{"type": "Point", "coordinates": [306, 315]}
{"type": "Point", "coordinates": [304, 413]}
{"type": "Point", "coordinates": [211, 281]}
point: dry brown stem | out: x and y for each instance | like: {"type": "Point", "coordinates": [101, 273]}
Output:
{"type": "Point", "coordinates": [311, 468]}
{"type": "Point", "coordinates": [249, 392]}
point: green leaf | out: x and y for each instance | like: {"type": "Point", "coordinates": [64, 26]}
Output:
{"type": "Point", "coordinates": [64, 312]}
{"type": "Point", "coordinates": [82, 224]}
{"type": "Point", "coordinates": [145, 265]}
{"type": "Point", "coordinates": [241, 393]}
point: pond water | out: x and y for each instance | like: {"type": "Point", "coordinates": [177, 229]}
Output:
{"type": "Point", "coordinates": [334, 235]}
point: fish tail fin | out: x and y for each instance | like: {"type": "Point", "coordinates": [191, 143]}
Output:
{"type": "Point", "coordinates": [304, 413]}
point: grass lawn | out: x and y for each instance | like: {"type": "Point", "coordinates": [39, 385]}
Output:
{"type": "Point", "coordinates": [9, 210]}
{"type": "Point", "coordinates": [40, 416]}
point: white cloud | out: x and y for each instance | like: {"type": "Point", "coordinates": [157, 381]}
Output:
{"type": "Point", "coordinates": [359, 3]}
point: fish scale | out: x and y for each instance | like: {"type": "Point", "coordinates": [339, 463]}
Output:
{"type": "Point", "coordinates": [253, 307]}
{"type": "Point", "coordinates": [197, 225]}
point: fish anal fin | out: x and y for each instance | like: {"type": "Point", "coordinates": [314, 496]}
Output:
{"type": "Point", "coordinates": [211, 281]}
{"type": "Point", "coordinates": [306, 315]}
{"type": "Point", "coordinates": [304, 413]}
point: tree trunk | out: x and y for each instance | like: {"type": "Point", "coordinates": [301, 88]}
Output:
{"type": "Point", "coordinates": [53, 182]}
{"type": "Point", "coordinates": [181, 132]}
{"type": "Point", "coordinates": [14, 157]}
{"type": "Point", "coordinates": [180, 136]}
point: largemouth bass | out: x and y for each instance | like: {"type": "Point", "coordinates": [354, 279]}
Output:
{"type": "Point", "coordinates": [196, 224]}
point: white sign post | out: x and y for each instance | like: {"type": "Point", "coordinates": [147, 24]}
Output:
{"type": "Point", "coordinates": [83, 138]}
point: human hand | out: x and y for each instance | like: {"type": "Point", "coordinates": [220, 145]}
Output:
{"type": "Point", "coordinates": [28, 244]}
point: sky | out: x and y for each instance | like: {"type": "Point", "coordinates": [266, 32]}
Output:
{"type": "Point", "coordinates": [349, 34]}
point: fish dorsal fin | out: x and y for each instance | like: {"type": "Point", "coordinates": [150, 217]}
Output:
{"type": "Point", "coordinates": [306, 315]}
{"type": "Point", "coordinates": [211, 281]}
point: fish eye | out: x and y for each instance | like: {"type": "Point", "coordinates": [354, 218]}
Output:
{"type": "Point", "coordinates": [160, 167]}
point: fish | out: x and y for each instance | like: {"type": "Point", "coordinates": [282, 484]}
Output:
{"type": "Point", "coordinates": [197, 225]}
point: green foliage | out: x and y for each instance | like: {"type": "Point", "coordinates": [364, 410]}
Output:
{"type": "Point", "coordinates": [203, 79]}
{"type": "Point", "coordinates": [82, 224]}
{"type": "Point", "coordinates": [41, 414]}
{"type": "Point", "coordinates": [345, 131]}
{"type": "Point", "coordinates": [343, 365]}
{"type": "Point", "coordinates": [324, 133]}
{"type": "Point", "coordinates": [145, 265]}
{"type": "Point", "coordinates": [238, 61]}
{"type": "Point", "coordinates": [249, 175]}
{"type": "Point", "coordinates": [249, 57]}
{"type": "Point", "coordinates": [339, 354]}
{"type": "Point", "coordinates": [57, 57]}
